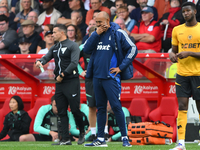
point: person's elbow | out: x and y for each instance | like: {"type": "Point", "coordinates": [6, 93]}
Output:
{"type": "Point", "coordinates": [151, 39]}
{"type": "Point", "coordinates": [35, 128]}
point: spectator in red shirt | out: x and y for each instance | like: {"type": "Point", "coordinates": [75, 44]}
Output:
{"type": "Point", "coordinates": [147, 33]}
{"type": "Point", "coordinates": [96, 5]}
{"type": "Point", "coordinates": [168, 21]}
{"type": "Point", "coordinates": [50, 15]}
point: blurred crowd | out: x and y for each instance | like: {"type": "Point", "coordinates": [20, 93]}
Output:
{"type": "Point", "coordinates": [149, 23]}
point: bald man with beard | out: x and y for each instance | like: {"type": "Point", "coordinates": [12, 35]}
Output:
{"type": "Point", "coordinates": [109, 64]}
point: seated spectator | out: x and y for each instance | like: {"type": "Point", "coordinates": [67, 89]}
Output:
{"type": "Point", "coordinates": [74, 34]}
{"type": "Point", "coordinates": [162, 7]}
{"type": "Point", "coordinates": [122, 25]}
{"type": "Point", "coordinates": [91, 24]}
{"type": "Point", "coordinates": [42, 44]}
{"type": "Point", "coordinates": [22, 15]}
{"type": "Point", "coordinates": [96, 5]}
{"type": "Point", "coordinates": [107, 3]}
{"type": "Point", "coordinates": [77, 20]}
{"type": "Point", "coordinates": [24, 45]}
{"type": "Point", "coordinates": [122, 12]}
{"type": "Point", "coordinates": [17, 7]}
{"type": "Point", "coordinates": [16, 122]}
{"type": "Point", "coordinates": [173, 18]}
{"type": "Point", "coordinates": [136, 13]}
{"type": "Point", "coordinates": [147, 33]}
{"type": "Point", "coordinates": [43, 124]}
{"type": "Point", "coordinates": [74, 5]}
{"type": "Point", "coordinates": [49, 67]}
{"type": "Point", "coordinates": [11, 16]}
{"type": "Point", "coordinates": [34, 17]}
{"type": "Point", "coordinates": [118, 3]}
{"type": "Point", "coordinates": [7, 35]}
{"type": "Point", "coordinates": [113, 123]}
{"type": "Point", "coordinates": [50, 14]}
{"type": "Point", "coordinates": [28, 27]}
{"type": "Point", "coordinates": [49, 42]}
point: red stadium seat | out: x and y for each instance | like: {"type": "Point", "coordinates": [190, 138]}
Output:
{"type": "Point", "coordinates": [167, 112]}
{"type": "Point", "coordinates": [139, 107]}
{"type": "Point", "coordinates": [32, 112]}
{"type": "Point", "coordinates": [3, 112]}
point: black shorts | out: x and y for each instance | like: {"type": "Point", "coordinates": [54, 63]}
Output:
{"type": "Point", "coordinates": [188, 86]}
{"type": "Point", "coordinates": [41, 137]}
{"type": "Point", "coordinates": [90, 93]}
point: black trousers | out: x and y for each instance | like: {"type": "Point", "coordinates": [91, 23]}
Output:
{"type": "Point", "coordinates": [167, 44]}
{"type": "Point", "coordinates": [68, 94]}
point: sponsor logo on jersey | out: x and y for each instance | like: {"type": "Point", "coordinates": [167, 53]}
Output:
{"type": "Point", "coordinates": [190, 45]}
{"type": "Point", "coordinates": [103, 47]}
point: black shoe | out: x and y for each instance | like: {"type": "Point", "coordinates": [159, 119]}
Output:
{"type": "Point", "coordinates": [106, 136]}
{"type": "Point", "coordinates": [92, 137]}
{"type": "Point", "coordinates": [81, 139]}
{"type": "Point", "coordinates": [63, 142]}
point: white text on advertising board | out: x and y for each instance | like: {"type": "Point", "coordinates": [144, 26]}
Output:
{"type": "Point", "coordinates": [142, 89]}
{"type": "Point", "coordinates": [19, 90]}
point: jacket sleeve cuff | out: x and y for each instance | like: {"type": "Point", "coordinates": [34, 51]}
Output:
{"type": "Point", "coordinates": [65, 73]}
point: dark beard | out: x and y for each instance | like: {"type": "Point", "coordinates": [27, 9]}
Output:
{"type": "Point", "coordinates": [191, 19]}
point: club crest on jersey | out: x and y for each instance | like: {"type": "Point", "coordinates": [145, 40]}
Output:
{"type": "Point", "coordinates": [189, 37]}
{"type": "Point", "coordinates": [150, 28]}
{"type": "Point", "coordinates": [63, 49]}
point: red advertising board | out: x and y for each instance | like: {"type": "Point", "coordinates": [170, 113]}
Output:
{"type": "Point", "coordinates": [150, 84]}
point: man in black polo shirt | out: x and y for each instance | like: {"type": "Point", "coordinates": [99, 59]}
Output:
{"type": "Point", "coordinates": [28, 27]}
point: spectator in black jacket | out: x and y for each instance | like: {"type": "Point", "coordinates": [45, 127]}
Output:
{"type": "Point", "coordinates": [16, 122]}
{"type": "Point", "coordinates": [28, 27]}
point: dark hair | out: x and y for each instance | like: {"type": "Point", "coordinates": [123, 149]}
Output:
{"type": "Point", "coordinates": [50, 26]}
{"type": "Point", "coordinates": [96, 11]}
{"type": "Point", "coordinates": [3, 18]}
{"type": "Point", "coordinates": [123, 7]}
{"type": "Point", "coordinates": [78, 35]}
{"type": "Point", "coordinates": [61, 27]}
{"type": "Point", "coordinates": [53, 98]}
{"type": "Point", "coordinates": [124, 1]}
{"type": "Point", "coordinates": [19, 101]}
{"type": "Point", "coordinates": [189, 4]}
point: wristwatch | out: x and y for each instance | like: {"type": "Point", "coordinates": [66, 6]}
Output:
{"type": "Point", "coordinates": [61, 76]}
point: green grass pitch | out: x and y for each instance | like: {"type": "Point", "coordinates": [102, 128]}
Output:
{"type": "Point", "coordinates": [74, 146]}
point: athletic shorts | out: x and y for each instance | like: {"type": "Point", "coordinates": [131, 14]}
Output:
{"type": "Point", "coordinates": [90, 93]}
{"type": "Point", "coordinates": [188, 86]}
{"type": "Point", "coordinates": [41, 137]}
